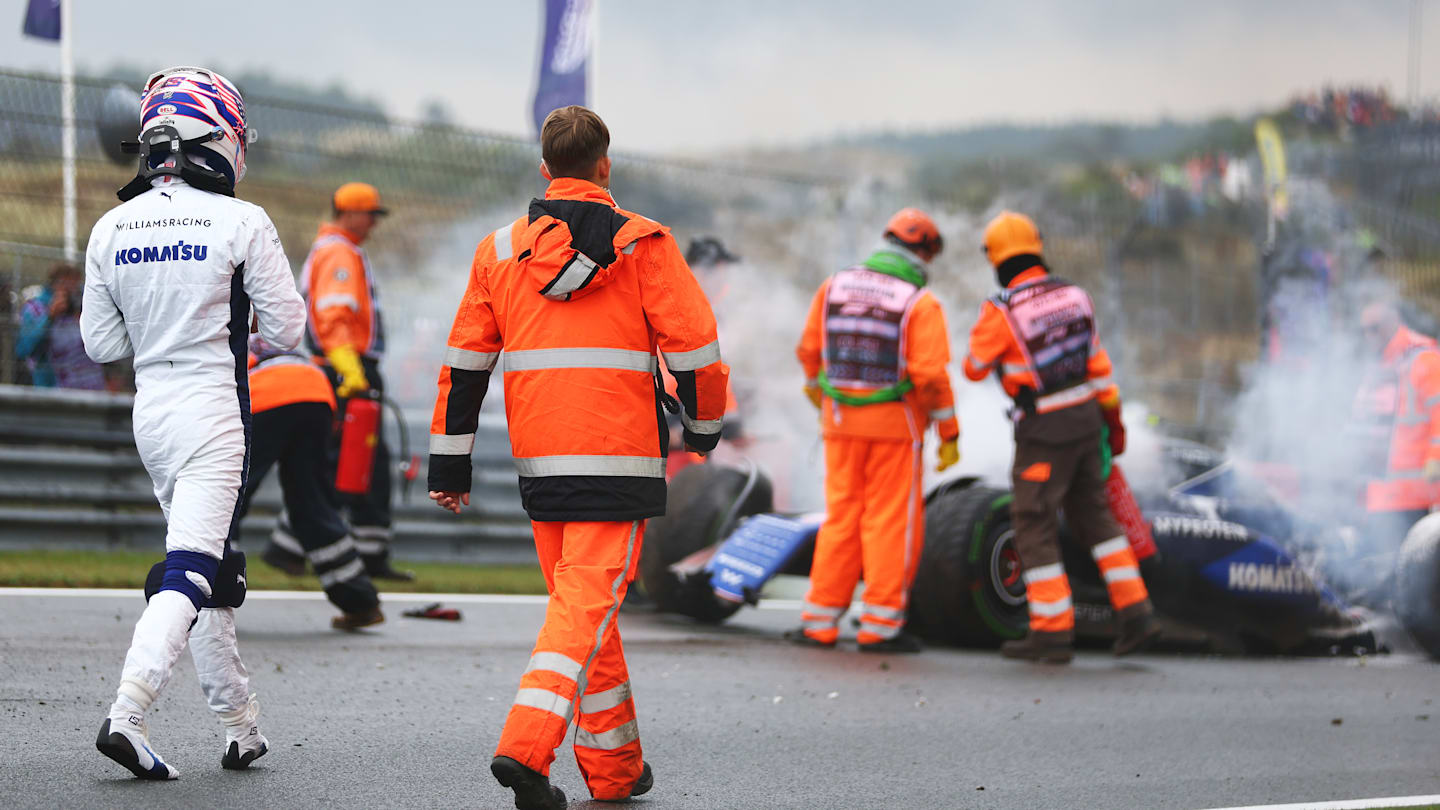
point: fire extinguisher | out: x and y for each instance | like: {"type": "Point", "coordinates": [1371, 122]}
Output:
{"type": "Point", "coordinates": [359, 433]}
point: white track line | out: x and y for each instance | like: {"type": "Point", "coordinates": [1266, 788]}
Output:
{"type": "Point", "coordinates": [317, 596]}
{"type": "Point", "coordinates": [1351, 804]}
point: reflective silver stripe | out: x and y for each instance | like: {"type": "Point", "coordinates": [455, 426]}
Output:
{"type": "Point", "coordinates": [1431, 402]}
{"type": "Point", "coordinates": [602, 701]}
{"type": "Point", "coordinates": [545, 700]}
{"type": "Point", "coordinates": [1049, 609]}
{"type": "Point", "coordinates": [539, 359]}
{"type": "Point", "coordinates": [1122, 573]}
{"type": "Point", "coordinates": [821, 610]}
{"type": "Point", "coordinates": [704, 427]}
{"type": "Point", "coordinates": [819, 624]}
{"type": "Point", "coordinates": [693, 359]}
{"type": "Point", "coordinates": [1105, 549]}
{"type": "Point", "coordinates": [1435, 440]}
{"type": "Point", "coordinates": [456, 445]}
{"type": "Point", "coordinates": [1044, 572]}
{"type": "Point", "coordinates": [572, 278]}
{"type": "Point", "coordinates": [558, 663]}
{"type": "Point", "coordinates": [631, 466]}
{"type": "Point", "coordinates": [337, 300]}
{"type": "Point", "coordinates": [881, 630]}
{"type": "Point", "coordinates": [370, 532]}
{"type": "Point", "coordinates": [1014, 368]}
{"type": "Point", "coordinates": [369, 546]}
{"type": "Point", "coordinates": [503, 250]}
{"type": "Point", "coordinates": [630, 248]}
{"type": "Point", "coordinates": [466, 360]}
{"type": "Point", "coordinates": [609, 740]}
{"type": "Point", "coordinates": [1071, 396]}
{"type": "Point", "coordinates": [350, 570]}
{"type": "Point", "coordinates": [882, 612]}
{"type": "Point", "coordinates": [1101, 383]}
{"type": "Point", "coordinates": [285, 540]}
{"type": "Point", "coordinates": [1405, 475]}
{"type": "Point", "coordinates": [332, 552]}
{"type": "Point", "coordinates": [812, 381]}
{"type": "Point", "coordinates": [975, 363]}
{"type": "Point", "coordinates": [942, 414]}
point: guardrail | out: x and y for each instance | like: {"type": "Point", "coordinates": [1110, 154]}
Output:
{"type": "Point", "coordinates": [70, 478]}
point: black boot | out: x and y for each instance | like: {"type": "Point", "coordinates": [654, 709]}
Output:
{"type": "Point", "coordinates": [1137, 630]}
{"type": "Point", "coordinates": [800, 639]}
{"type": "Point", "coordinates": [533, 790]}
{"type": "Point", "coordinates": [901, 643]}
{"type": "Point", "coordinates": [1050, 648]}
{"type": "Point", "coordinates": [641, 786]}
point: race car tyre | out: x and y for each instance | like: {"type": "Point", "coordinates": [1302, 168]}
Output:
{"type": "Point", "coordinates": [702, 497]}
{"type": "Point", "coordinates": [968, 588]}
{"type": "Point", "coordinates": [1417, 579]}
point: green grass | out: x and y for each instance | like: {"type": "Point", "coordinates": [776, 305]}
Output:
{"type": "Point", "coordinates": [127, 569]}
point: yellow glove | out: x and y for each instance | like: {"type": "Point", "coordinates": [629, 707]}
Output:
{"type": "Point", "coordinates": [949, 454]}
{"type": "Point", "coordinates": [814, 394]}
{"type": "Point", "coordinates": [352, 375]}
{"type": "Point", "coordinates": [1432, 471]}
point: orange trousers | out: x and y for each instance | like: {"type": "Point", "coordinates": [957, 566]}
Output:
{"type": "Point", "coordinates": [874, 527]}
{"type": "Point", "coordinates": [578, 666]}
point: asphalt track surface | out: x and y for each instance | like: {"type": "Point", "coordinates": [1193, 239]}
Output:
{"type": "Point", "coordinates": [731, 717]}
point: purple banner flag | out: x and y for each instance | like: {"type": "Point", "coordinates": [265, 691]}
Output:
{"type": "Point", "coordinates": [565, 57]}
{"type": "Point", "coordinates": [42, 19]}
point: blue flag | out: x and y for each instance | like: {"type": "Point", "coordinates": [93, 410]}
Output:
{"type": "Point", "coordinates": [565, 57]}
{"type": "Point", "coordinates": [42, 19]}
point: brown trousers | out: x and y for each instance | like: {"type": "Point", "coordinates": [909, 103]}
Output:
{"type": "Point", "coordinates": [1050, 477]}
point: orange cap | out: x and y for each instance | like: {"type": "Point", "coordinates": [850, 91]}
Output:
{"type": "Point", "coordinates": [1010, 234]}
{"type": "Point", "coordinates": [361, 197]}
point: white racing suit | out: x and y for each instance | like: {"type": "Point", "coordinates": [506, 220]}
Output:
{"type": "Point", "coordinates": [171, 277]}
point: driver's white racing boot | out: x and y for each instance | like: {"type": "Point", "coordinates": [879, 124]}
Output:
{"type": "Point", "coordinates": [127, 741]}
{"type": "Point", "coordinates": [243, 741]}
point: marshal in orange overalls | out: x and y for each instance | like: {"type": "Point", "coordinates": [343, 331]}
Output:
{"type": "Point", "coordinates": [876, 344]}
{"type": "Point", "coordinates": [580, 294]}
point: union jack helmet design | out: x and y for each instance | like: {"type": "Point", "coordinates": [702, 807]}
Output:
{"type": "Point", "coordinates": [200, 103]}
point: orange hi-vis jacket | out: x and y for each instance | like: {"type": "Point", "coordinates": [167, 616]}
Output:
{"type": "Point", "coordinates": [339, 291]}
{"type": "Point", "coordinates": [285, 379]}
{"type": "Point", "coordinates": [924, 352]}
{"type": "Point", "coordinates": [1406, 395]}
{"type": "Point", "coordinates": [995, 343]}
{"type": "Point", "coordinates": [579, 294]}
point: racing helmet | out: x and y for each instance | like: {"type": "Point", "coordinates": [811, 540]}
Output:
{"type": "Point", "coordinates": [204, 111]}
{"type": "Point", "coordinates": [914, 230]}
{"type": "Point", "coordinates": [1009, 235]}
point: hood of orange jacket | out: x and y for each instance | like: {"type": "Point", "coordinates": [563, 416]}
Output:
{"type": "Point", "coordinates": [573, 238]}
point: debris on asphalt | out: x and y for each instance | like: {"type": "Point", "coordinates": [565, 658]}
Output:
{"type": "Point", "coordinates": [434, 610]}
{"type": "Point", "coordinates": [1337, 721]}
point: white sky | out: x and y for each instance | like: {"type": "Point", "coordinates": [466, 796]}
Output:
{"type": "Point", "coordinates": [684, 77]}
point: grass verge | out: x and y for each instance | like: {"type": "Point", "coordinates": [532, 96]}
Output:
{"type": "Point", "coordinates": [127, 569]}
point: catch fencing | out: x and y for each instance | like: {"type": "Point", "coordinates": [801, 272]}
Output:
{"type": "Point", "coordinates": [1179, 301]}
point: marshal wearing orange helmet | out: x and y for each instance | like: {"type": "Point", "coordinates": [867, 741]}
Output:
{"type": "Point", "coordinates": [874, 352]}
{"type": "Point", "coordinates": [579, 294]}
{"type": "Point", "coordinates": [1039, 337]}
{"type": "Point", "coordinates": [345, 331]}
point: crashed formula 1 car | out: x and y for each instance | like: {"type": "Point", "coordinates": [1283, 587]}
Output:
{"type": "Point", "coordinates": [1233, 569]}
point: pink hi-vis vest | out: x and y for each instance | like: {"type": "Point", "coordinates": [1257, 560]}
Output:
{"type": "Point", "coordinates": [1054, 324]}
{"type": "Point", "coordinates": [864, 324]}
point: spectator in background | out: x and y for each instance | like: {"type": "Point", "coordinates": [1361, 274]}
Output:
{"type": "Point", "coordinates": [49, 342]}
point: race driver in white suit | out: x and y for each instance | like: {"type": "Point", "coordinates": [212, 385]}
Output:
{"type": "Point", "coordinates": [171, 277]}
